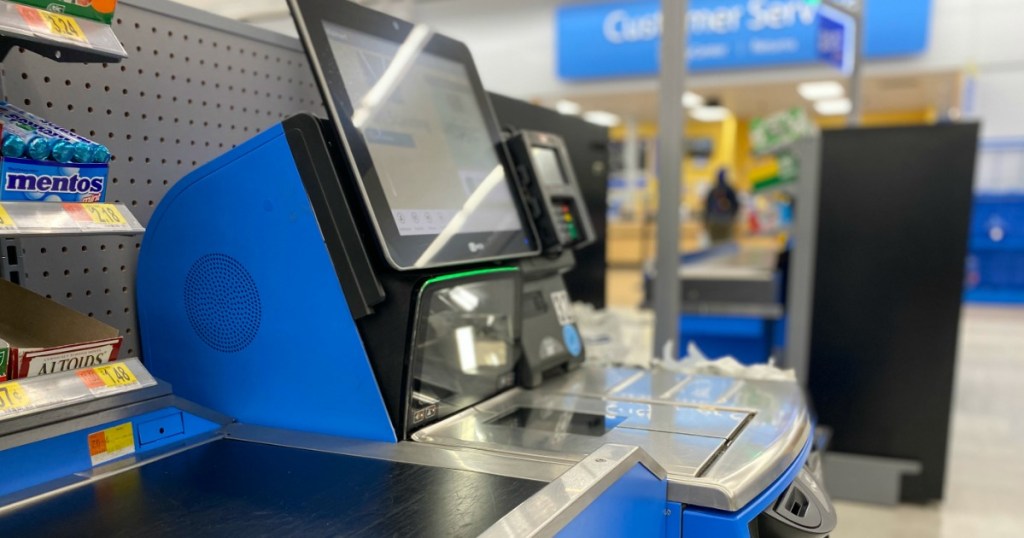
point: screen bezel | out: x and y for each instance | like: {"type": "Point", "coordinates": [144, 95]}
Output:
{"type": "Point", "coordinates": [402, 251]}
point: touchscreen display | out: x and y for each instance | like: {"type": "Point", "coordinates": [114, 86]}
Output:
{"type": "Point", "coordinates": [426, 133]}
{"type": "Point", "coordinates": [547, 165]}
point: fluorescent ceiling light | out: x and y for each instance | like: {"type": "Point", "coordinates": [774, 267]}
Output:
{"type": "Point", "coordinates": [602, 118]}
{"type": "Point", "coordinates": [826, 89]}
{"type": "Point", "coordinates": [833, 107]}
{"type": "Point", "coordinates": [692, 100]}
{"type": "Point", "coordinates": [710, 114]}
{"type": "Point", "coordinates": [567, 107]}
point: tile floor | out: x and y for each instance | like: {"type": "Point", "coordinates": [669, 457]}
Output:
{"type": "Point", "coordinates": [985, 478]}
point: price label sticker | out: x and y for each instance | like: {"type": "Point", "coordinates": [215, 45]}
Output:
{"type": "Point", "coordinates": [13, 397]}
{"type": "Point", "coordinates": [107, 376]}
{"type": "Point", "coordinates": [97, 215]}
{"type": "Point", "coordinates": [63, 26]}
{"type": "Point", "coordinates": [5, 219]}
{"type": "Point", "coordinates": [111, 443]}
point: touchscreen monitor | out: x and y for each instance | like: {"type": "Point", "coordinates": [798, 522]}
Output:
{"type": "Point", "coordinates": [420, 134]}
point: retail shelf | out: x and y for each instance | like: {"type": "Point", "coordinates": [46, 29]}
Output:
{"type": "Point", "coordinates": [60, 37]}
{"type": "Point", "coordinates": [23, 397]}
{"type": "Point", "coordinates": [48, 218]}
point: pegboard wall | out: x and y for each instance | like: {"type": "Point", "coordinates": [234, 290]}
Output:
{"type": "Point", "coordinates": [194, 86]}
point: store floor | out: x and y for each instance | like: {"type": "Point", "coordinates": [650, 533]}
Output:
{"type": "Point", "coordinates": [985, 479]}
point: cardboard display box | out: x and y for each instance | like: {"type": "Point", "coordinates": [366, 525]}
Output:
{"type": "Point", "coordinates": [46, 337]}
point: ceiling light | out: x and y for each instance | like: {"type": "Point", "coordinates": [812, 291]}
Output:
{"type": "Point", "coordinates": [602, 118]}
{"type": "Point", "coordinates": [567, 107]}
{"type": "Point", "coordinates": [692, 100]}
{"type": "Point", "coordinates": [826, 89]}
{"type": "Point", "coordinates": [833, 107]}
{"type": "Point", "coordinates": [710, 114]}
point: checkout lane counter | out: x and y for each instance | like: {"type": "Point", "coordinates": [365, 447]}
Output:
{"type": "Point", "coordinates": [135, 459]}
{"type": "Point", "coordinates": [373, 384]}
{"type": "Point", "coordinates": [732, 299]}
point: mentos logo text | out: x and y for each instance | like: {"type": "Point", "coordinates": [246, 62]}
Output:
{"type": "Point", "coordinates": [73, 184]}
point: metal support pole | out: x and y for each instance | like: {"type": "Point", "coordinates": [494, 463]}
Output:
{"type": "Point", "coordinates": [631, 161]}
{"type": "Point", "coordinates": [671, 123]}
{"type": "Point", "coordinates": [800, 288]}
{"type": "Point", "coordinates": [856, 82]}
{"type": "Point", "coordinates": [855, 10]}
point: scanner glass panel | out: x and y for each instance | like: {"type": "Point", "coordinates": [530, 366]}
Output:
{"type": "Point", "coordinates": [464, 347]}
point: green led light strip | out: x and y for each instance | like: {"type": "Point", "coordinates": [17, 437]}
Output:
{"type": "Point", "coordinates": [468, 274]}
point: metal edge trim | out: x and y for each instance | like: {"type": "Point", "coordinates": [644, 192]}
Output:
{"type": "Point", "coordinates": [557, 504]}
{"type": "Point", "coordinates": [705, 493]}
{"type": "Point", "coordinates": [78, 422]}
{"type": "Point", "coordinates": [454, 458]}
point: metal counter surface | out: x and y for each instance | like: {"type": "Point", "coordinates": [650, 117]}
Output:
{"type": "Point", "coordinates": [239, 488]}
{"type": "Point", "coordinates": [721, 440]}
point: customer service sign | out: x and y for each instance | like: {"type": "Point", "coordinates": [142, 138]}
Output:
{"type": "Point", "coordinates": [623, 38]}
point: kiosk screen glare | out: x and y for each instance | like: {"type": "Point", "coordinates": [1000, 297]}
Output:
{"type": "Point", "coordinates": [426, 134]}
{"type": "Point", "coordinates": [547, 165]}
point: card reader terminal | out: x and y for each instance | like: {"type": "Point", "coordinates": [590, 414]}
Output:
{"type": "Point", "coordinates": [554, 201]}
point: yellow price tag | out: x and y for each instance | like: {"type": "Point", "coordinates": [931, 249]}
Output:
{"type": "Point", "coordinates": [63, 26]}
{"type": "Point", "coordinates": [111, 443]}
{"type": "Point", "coordinates": [5, 219]}
{"type": "Point", "coordinates": [106, 214]}
{"type": "Point", "coordinates": [115, 375]}
{"type": "Point", "coordinates": [12, 397]}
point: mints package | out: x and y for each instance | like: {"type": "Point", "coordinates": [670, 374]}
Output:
{"type": "Point", "coordinates": [43, 161]}
{"type": "Point", "coordinates": [28, 135]}
{"type": "Point", "coordinates": [5, 354]}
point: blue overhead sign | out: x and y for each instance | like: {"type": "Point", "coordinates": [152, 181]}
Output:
{"type": "Point", "coordinates": [623, 38]}
{"type": "Point", "coordinates": [837, 37]}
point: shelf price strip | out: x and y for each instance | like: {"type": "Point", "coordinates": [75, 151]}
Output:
{"type": "Point", "coordinates": [97, 215]}
{"type": "Point", "coordinates": [12, 398]}
{"type": "Point", "coordinates": [5, 219]}
{"type": "Point", "coordinates": [108, 376]}
{"type": "Point", "coordinates": [55, 24]}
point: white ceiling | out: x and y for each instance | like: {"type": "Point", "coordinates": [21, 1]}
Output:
{"type": "Point", "coordinates": [746, 94]}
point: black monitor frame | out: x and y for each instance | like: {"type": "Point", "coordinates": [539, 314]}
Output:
{"type": "Point", "coordinates": [402, 252]}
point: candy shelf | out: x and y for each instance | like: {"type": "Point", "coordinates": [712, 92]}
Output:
{"type": "Point", "coordinates": [22, 397]}
{"type": "Point", "coordinates": [59, 37]}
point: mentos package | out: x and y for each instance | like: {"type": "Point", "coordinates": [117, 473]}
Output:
{"type": "Point", "coordinates": [43, 161]}
{"type": "Point", "coordinates": [26, 180]}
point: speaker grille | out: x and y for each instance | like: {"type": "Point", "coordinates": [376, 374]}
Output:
{"type": "Point", "coordinates": [222, 303]}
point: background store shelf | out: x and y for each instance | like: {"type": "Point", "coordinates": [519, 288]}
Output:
{"type": "Point", "coordinates": [194, 86]}
{"type": "Point", "coordinates": [58, 37]}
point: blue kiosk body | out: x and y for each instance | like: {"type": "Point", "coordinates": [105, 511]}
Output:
{"type": "Point", "coordinates": [240, 302]}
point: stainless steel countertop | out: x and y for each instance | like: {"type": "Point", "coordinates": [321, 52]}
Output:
{"type": "Point", "coordinates": [721, 440]}
{"type": "Point", "coordinates": [746, 264]}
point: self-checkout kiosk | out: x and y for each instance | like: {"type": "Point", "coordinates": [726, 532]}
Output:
{"type": "Point", "coordinates": [385, 285]}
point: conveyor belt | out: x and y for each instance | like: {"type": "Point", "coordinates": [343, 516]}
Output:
{"type": "Point", "coordinates": [236, 488]}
